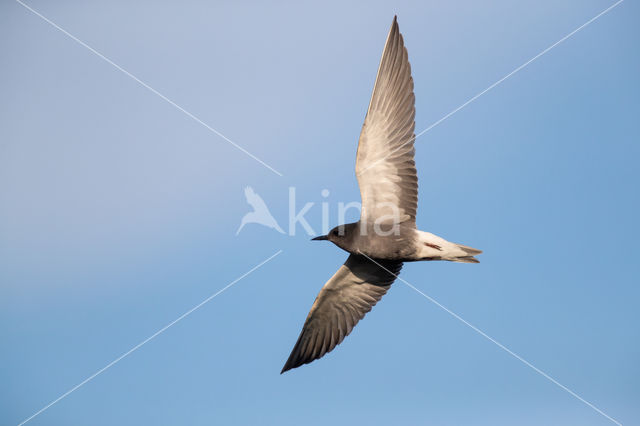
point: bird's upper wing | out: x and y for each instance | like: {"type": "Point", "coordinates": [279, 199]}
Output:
{"type": "Point", "coordinates": [342, 302]}
{"type": "Point", "coordinates": [385, 167]}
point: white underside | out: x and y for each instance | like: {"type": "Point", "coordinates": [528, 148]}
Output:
{"type": "Point", "coordinates": [447, 250]}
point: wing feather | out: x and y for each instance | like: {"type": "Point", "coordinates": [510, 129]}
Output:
{"type": "Point", "coordinates": [343, 301]}
{"type": "Point", "coordinates": [385, 165]}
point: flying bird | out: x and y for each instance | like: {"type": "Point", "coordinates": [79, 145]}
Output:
{"type": "Point", "coordinates": [260, 213]}
{"type": "Point", "coordinates": [386, 234]}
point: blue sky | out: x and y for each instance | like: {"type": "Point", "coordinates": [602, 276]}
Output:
{"type": "Point", "coordinates": [118, 213]}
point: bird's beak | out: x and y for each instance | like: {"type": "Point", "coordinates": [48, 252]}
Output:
{"type": "Point", "coordinates": [321, 237]}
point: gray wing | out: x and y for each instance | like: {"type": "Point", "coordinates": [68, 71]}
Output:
{"type": "Point", "coordinates": [385, 166]}
{"type": "Point", "coordinates": [343, 301]}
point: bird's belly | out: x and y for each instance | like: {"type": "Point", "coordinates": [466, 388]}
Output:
{"type": "Point", "coordinates": [391, 247]}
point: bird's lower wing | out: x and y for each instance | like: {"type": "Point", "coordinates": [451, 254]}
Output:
{"type": "Point", "coordinates": [343, 301]}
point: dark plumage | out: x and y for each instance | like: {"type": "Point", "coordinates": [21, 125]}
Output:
{"type": "Point", "coordinates": [386, 234]}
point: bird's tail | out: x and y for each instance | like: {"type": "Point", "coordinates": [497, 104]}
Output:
{"type": "Point", "coordinates": [432, 247]}
{"type": "Point", "coordinates": [469, 252]}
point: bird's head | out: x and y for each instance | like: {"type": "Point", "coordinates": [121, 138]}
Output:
{"type": "Point", "coordinates": [340, 235]}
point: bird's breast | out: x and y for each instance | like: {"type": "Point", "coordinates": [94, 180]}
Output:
{"type": "Point", "coordinates": [398, 245]}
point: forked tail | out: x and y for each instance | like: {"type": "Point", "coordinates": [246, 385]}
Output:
{"type": "Point", "coordinates": [469, 252]}
{"type": "Point", "coordinates": [433, 247]}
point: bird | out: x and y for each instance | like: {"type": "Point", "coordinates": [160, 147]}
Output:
{"type": "Point", "coordinates": [386, 235]}
{"type": "Point", "coordinates": [260, 213]}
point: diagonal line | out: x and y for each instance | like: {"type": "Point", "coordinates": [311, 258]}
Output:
{"type": "Point", "coordinates": [500, 345]}
{"type": "Point", "coordinates": [154, 335]}
{"type": "Point", "coordinates": [142, 83]}
{"type": "Point", "coordinates": [492, 86]}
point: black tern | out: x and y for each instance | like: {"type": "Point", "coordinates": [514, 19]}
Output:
{"type": "Point", "coordinates": [386, 234]}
